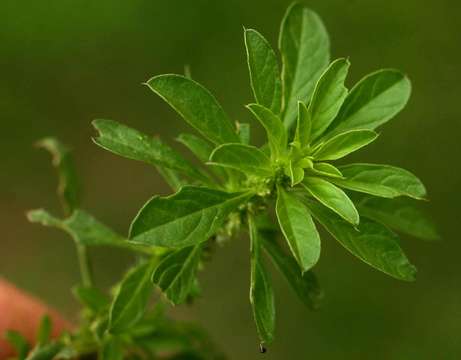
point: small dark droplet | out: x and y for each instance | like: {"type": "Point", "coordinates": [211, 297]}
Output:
{"type": "Point", "coordinates": [262, 348]}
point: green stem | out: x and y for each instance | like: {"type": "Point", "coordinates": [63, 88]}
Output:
{"type": "Point", "coordinates": [85, 266]}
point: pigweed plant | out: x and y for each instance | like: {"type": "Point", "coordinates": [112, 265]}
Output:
{"type": "Point", "coordinates": [278, 193]}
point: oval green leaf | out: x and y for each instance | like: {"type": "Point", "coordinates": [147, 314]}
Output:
{"type": "Point", "coordinates": [344, 144]}
{"type": "Point", "coordinates": [176, 273]}
{"type": "Point", "coordinates": [82, 227]}
{"type": "Point", "coordinates": [133, 144]}
{"type": "Point", "coordinates": [328, 96]}
{"type": "Point", "coordinates": [275, 130]}
{"type": "Point", "coordinates": [325, 169]}
{"type": "Point", "coordinates": [332, 197]}
{"type": "Point", "coordinates": [196, 105]}
{"type": "Point", "coordinates": [264, 71]}
{"type": "Point", "coordinates": [245, 158]}
{"type": "Point", "coordinates": [131, 299]}
{"type": "Point", "coordinates": [261, 292]}
{"type": "Point", "coordinates": [371, 242]}
{"type": "Point", "coordinates": [298, 228]}
{"type": "Point", "coordinates": [303, 126]}
{"type": "Point", "coordinates": [374, 100]}
{"type": "Point", "coordinates": [305, 50]}
{"type": "Point", "coordinates": [381, 180]}
{"type": "Point", "coordinates": [189, 217]}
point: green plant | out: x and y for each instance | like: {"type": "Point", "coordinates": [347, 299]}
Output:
{"type": "Point", "coordinates": [281, 190]}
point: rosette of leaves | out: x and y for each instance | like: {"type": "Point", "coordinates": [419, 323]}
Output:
{"type": "Point", "coordinates": [279, 193]}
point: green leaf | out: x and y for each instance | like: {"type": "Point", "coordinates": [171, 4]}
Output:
{"type": "Point", "coordinates": [276, 132]}
{"type": "Point", "coordinates": [374, 100]}
{"type": "Point", "coordinates": [19, 343]}
{"type": "Point", "coordinates": [132, 144]}
{"type": "Point", "coordinates": [400, 214]}
{"type": "Point", "coordinates": [81, 226]}
{"type": "Point", "coordinates": [44, 330]}
{"type": "Point", "coordinates": [91, 297]}
{"type": "Point", "coordinates": [261, 293]}
{"type": "Point", "coordinates": [176, 274]}
{"type": "Point", "coordinates": [325, 169]}
{"type": "Point", "coordinates": [188, 217]}
{"type": "Point", "coordinates": [202, 149]}
{"type": "Point", "coordinates": [306, 285]}
{"type": "Point", "coordinates": [328, 97]}
{"type": "Point", "coordinates": [332, 197]}
{"type": "Point", "coordinates": [343, 144]}
{"type": "Point", "coordinates": [196, 105]}
{"type": "Point", "coordinates": [295, 173]}
{"type": "Point", "coordinates": [264, 71]}
{"type": "Point", "coordinates": [305, 49]}
{"type": "Point", "coordinates": [131, 299]}
{"type": "Point", "coordinates": [371, 242]}
{"type": "Point", "coordinates": [298, 228]}
{"type": "Point", "coordinates": [68, 187]}
{"type": "Point", "coordinates": [303, 126]}
{"type": "Point", "coordinates": [245, 158]}
{"type": "Point", "coordinates": [381, 180]}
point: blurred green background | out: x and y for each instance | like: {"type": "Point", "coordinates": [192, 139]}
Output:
{"type": "Point", "coordinates": [66, 62]}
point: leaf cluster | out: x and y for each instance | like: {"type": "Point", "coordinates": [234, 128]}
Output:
{"type": "Point", "coordinates": [285, 189]}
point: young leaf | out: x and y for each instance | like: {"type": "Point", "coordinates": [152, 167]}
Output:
{"type": "Point", "coordinates": [374, 100]}
{"type": "Point", "coordinates": [68, 187]}
{"type": "Point", "coordinates": [19, 343]}
{"type": "Point", "coordinates": [245, 158]}
{"type": "Point", "coordinates": [176, 274]}
{"type": "Point", "coordinates": [372, 242]}
{"type": "Point", "coordinates": [261, 293]}
{"type": "Point", "coordinates": [264, 71]}
{"type": "Point", "coordinates": [296, 173]}
{"type": "Point", "coordinates": [298, 228]}
{"type": "Point", "coordinates": [186, 218]}
{"type": "Point", "coordinates": [132, 298]}
{"type": "Point", "coordinates": [325, 169]}
{"type": "Point", "coordinates": [381, 180]}
{"type": "Point", "coordinates": [332, 197]}
{"type": "Point", "coordinates": [303, 126]}
{"type": "Point", "coordinates": [276, 132]}
{"type": "Point", "coordinates": [306, 285]}
{"type": "Point", "coordinates": [82, 227]}
{"type": "Point", "coordinates": [305, 49]}
{"type": "Point", "coordinates": [400, 214]}
{"type": "Point", "coordinates": [328, 97]}
{"type": "Point", "coordinates": [132, 144]}
{"type": "Point", "coordinates": [44, 330]}
{"type": "Point", "coordinates": [196, 105]}
{"type": "Point", "coordinates": [343, 144]}
{"type": "Point", "coordinates": [91, 297]}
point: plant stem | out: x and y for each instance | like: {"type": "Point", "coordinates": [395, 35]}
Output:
{"type": "Point", "coordinates": [85, 266]}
